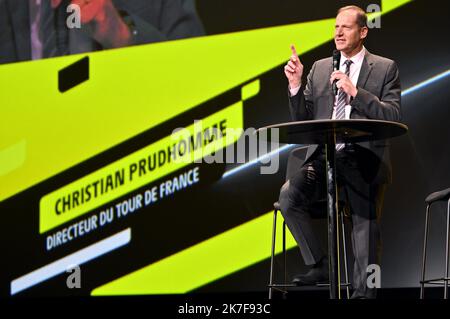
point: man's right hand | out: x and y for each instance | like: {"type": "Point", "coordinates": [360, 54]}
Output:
{"type": "Point", "coordinates": [294, 70]}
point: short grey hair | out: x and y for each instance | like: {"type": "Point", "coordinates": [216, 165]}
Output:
{"type": "Point", "coordinates": [361, 16]}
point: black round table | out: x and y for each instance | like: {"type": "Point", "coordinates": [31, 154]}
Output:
{"type": "Point", "coordinates": [330, 133]}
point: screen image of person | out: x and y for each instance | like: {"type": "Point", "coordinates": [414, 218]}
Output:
{"type": "Point", "coordinates": [368, 87]}
{"type": "Point", "coordinates": [35, 29]}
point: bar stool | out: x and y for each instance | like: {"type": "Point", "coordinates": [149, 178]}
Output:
{"type": "Point", "coordinates": [283, 287]}
{"type": "Point", "coordinates": [296, 160]}
{"type": "Point", "coordinates": [440, 196]}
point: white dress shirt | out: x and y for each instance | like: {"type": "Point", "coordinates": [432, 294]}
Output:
{"type": "Point", "coordinates": [355, 70]}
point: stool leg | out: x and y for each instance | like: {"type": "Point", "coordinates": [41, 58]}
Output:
{"type": "Point", "coordinates": [284, 253]}
{"type": "Point", "coordinates": [447, 252]}
{"type": "Point", "coordinates": [424, 254]}
{"type": "Point", "coordinates": [274, 231]}
{"type": "Point", "coordinates": [344, 245]}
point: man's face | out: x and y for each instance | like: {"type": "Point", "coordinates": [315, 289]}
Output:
{"type": "Point", "coordinates": [348, 35]}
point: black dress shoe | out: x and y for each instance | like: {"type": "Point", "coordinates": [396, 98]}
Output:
{"type": "Point", "coordinates": [313, 277]}
{"type": "Point", "coordinates": [318, 274]}
{"type": "Point", "coordinates": [369, 294]}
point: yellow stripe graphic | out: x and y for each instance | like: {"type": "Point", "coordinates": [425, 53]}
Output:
{"type": "Point", "coordinates": [203, 263]}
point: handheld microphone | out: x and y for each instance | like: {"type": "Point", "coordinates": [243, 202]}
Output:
{"type": "Point", "coordinates": [336, 64]}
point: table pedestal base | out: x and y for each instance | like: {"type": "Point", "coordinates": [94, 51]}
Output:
{"type": "Point", "coordinates": [333, 229]}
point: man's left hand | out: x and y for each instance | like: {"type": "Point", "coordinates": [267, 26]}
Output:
{"type": "Point", "coordinates": [344, 83]}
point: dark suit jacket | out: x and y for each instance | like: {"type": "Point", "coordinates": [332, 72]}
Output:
{"type": "Point", "coordinates": [155, 20]}
{"type": "Point", "coordinates": [378, 98]}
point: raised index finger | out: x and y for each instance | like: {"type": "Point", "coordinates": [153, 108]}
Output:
{"type": "Point", "coordinates": [294, 51]}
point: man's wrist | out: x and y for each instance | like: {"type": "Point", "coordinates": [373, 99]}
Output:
{"type": "Point", "coordinates": [294, 90]}
{"type": "Point", "coordinates": [129, 22]}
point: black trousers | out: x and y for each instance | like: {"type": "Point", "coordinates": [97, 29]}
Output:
{"type": "Point", "coordinates": [354, 168]}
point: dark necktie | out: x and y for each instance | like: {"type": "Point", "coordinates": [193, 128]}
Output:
{"type": "Point", "coordinates": [53, 30]}
{"type": "Point", "coordinates": [342, 97]}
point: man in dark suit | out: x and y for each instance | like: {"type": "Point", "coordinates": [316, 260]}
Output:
{"type": "Point", "coordinates": [34, 29]}
{"type": "Point", "coordinates": [369, 88]}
